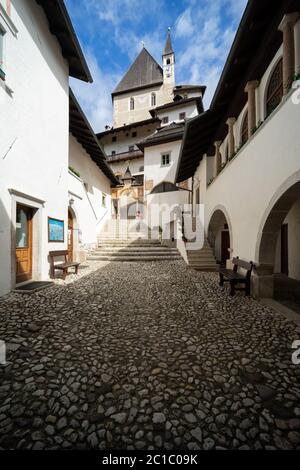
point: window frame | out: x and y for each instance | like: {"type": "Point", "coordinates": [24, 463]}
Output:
{"type": "Point", "coordinates": [244, 133]}
{"type": "Point", "coordinates": [182, 116]}
{"type": "Point", "coordinates": [164, 156]}
{"type": "Point", "coordinates": [279, 88]}
{"type": "Point", "coordinates": [153, 99]}
{"type": "Point", "coordinates": [165, 120]}
{"type": "Point", "coordinates": [131, 104]}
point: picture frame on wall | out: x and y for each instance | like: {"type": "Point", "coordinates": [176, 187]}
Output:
{"type": "Point", "coordinates": [56, 230]}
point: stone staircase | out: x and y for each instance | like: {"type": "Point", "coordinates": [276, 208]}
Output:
{"type": "Point", "coordinates": [118, 249]}
{"type": "Point", "coordinates": [202, 260]}
{"type": "Point", "coordinates": [124, 243]}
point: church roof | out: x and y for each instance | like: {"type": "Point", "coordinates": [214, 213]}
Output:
{"type": "Point", "coordinates": [143, 73]}
{"type": "Point", "coordinates": [168, 47]}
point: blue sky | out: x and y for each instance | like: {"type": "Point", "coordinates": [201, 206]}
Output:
{"type": "Point", "coordinates": [111, 32]}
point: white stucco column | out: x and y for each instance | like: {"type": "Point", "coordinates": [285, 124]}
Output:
{"type": "Point", "coordinates": [250, 89]}
{"type": "Point", "coordinates": [287, 28]}
{"type": "Point", "coordinates": [231, 144]}
{"type": "Point", "coordinates": [217, 158]}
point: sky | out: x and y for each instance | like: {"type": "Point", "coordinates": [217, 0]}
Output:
{"type": "Point", "coordinates": [111, 33]}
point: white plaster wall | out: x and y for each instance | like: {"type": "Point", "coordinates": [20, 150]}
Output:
{"type": "Point", "coordinates": [152, 159]}
{"type": "Point", "coordinates": [123, 140]}
{"type": "Point", "coordinates": [33, 129]}
{"type": "Point", "coordinates": [90, 214]}
{"type": "Point", "coordinates": [122, 113]}
{"type": "Point", "coordinates": [173, 113]}
{"type": "Point", "coordinates": [249, 182]}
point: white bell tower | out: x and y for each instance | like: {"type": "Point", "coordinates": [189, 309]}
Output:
{"type": "Point", "coordinates": [169, 69]}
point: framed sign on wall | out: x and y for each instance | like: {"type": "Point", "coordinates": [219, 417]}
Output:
{"type": "Point", "coordinates": [56, 230]}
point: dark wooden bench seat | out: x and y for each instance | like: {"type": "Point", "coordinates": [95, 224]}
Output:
{"type": "Point", "coordinates": [237, 278]}
{"type": "Point", "coordinates": [64, 266]}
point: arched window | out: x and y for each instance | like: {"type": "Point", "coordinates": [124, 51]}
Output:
{"type": "Point", "coordinates": [168, 61]}
{"type": "Point", "coordinates": [153, 99]}
{"type": "Point", "coordinates": [244, 130]}
{"type": "Point", "coordinates": [131, 104]}
{"type": "Point", "coordinates": [275, 89]}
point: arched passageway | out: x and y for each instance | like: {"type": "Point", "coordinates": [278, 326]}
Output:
{"type": "Point", "coordinates": [220, 235]}
{"type": "Point", "coordinates": [278, 247]}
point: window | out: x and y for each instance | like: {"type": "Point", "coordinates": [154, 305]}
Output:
{"type": "Point", "coordinates": [185, 96]}
{"type": "Point", "coordinates": [153, 99]}
{"type": "Point", "coordinates": [131, 148]}
{"type": "Point", "coordinates": [165, 159]}
{"type": "Point", "coordinates": [181, 116]}
{"type": "Point", "coordinates": [275, 89]}
{"type": "Point", "coordinates": [103, 200]}
{"type": "Point", "coordinates": [165, 120]}
{"type": "Point", "coordinates": [141, 169]}
{"type": "Point", "coordinates": [168, 61]}
{"type": "Point", "coordinates": [114, 139]}
{"type": "Point", "coordinates": [134, 134]}
{"type": "Point", "coordinates": [244, 130]}
{"type": "Point", "coordinates": [131, 104]}
{"type": "Point", "coordinates": [113, 152]}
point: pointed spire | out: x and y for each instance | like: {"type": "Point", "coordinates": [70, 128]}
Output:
{"type": "Point", "coordinates": [168, 47]}
{"type": "Point", "coordinates": [128, 174]}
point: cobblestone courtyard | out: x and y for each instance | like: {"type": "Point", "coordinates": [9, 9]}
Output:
{"type": "Point", "coordinates": [146, 356]}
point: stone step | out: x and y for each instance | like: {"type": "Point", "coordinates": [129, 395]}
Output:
{"type": "Point", "coordinates": [134, 258]}
{"type": "Point", "coordinates": [134, 249]}
{"type": "Point", "coordinates": [133, 253]}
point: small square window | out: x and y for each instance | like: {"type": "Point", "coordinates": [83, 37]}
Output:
{"type": "Point", "coordinates": [103, 200]}
{"type": "Point", "coordinates": [134, 134]}
{"type": "Point", "coordinates": [165, 120]}
{"type": "Point", "coordinates": [131, 148]}
{"type": "Point", "coordinates": [114, 139]}
{"type": "Point", "coordinates": [113, 152]}
{"type": "Point", "coordinates": [181, 116]}
{"type": "Point", "coordinates": [165, 159]}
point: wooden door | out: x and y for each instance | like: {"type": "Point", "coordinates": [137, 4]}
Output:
{"type": "Point", "coordinates": [23, 243]}
{"type": "Point", "coordinates": [225, 245]}
{"type": "Point", "coordinates": [284, 250]}
{"type": "Point", "coordinates": [70, 236]}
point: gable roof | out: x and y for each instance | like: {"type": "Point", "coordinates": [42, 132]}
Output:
{"type": "Point", "coordinates": [170, 133]}
{"type": "Point", "coordinates": [60, 25]}
{"type": "Point", "coordinates": [143, 73]}
{"type": "Point", "coordinates": [80, 128]}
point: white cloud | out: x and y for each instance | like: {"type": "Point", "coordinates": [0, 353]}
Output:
{"type": "Point", "coordinates": [184, 24]}
{"type": "Point", "coordinates": [95, 98]}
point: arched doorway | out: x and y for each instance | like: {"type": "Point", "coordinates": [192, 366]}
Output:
{"type": "Point", "coordinates": [278, 246]}
{"type": "Point", "coordinates": [70, 236]}
{"type": "Point", "coordinates": [219, 235]}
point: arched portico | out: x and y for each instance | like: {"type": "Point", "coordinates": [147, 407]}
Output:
{"type": "Point", "coordinates": [219, 234]}
{"type": "Point", "coordinates": [275, 247]}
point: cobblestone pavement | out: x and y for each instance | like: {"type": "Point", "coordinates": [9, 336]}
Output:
{"type": "Point", "coordinates": [146, 356]}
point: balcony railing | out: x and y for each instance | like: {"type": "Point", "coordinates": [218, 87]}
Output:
{"type": "Point", "coordinates": [125, 156]}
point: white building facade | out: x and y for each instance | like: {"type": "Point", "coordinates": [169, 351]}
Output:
{"type": "Point", "coordinates": [246, 170]}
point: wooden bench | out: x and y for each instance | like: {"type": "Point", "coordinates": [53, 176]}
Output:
{"type": "Point", "coordinates": [234, 277]}
{"type": "Point", "coordinates": [62, 266]}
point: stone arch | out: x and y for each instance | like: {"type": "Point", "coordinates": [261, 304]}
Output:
{"type": "Point", "coordinates": [265, 251]}
{"type": "Point", "coordinates": [220, 222]}
{"type": "Point", "coordinates": [274, 215]}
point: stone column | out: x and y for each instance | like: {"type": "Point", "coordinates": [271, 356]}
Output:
{"type": "Point", "coordinates": [217, 158]}
{"type": "Point", "coordinates": [231, 144]}
{"type": "Point", "coordinates": [287, 28]}
{"type": "Point", "coordinates": [250, 89]}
